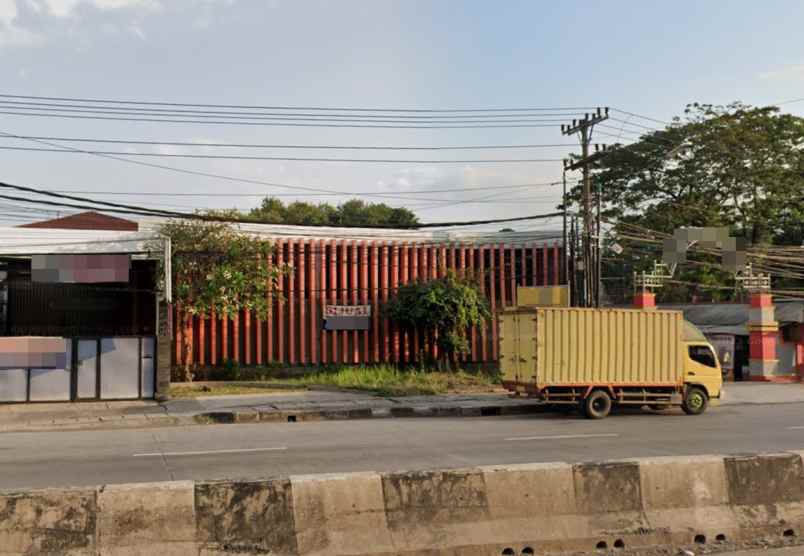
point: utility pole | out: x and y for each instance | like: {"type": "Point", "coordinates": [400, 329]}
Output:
{"type": "Point", "coordinates": [590, 295]}
{"type": "Point", "coordinates": [564, 230]}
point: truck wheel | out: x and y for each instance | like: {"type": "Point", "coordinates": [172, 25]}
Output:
{"type": "Point", "coordinates": [597, 405]}
{"type": "Point", "coordinates": [695, 401]}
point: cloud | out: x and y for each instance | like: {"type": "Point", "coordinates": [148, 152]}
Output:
{"type": "Point", "coordinates": [65, 8]}
{"type": "Point", "coordinates": [10, 33]}
{"type": "Point", "coordinates": [8, 12]}
{"type": "Point", "coordinates": [793, 72]}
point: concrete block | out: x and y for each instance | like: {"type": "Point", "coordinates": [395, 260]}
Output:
{"type": "Point", "coordinates": [147, 518]}
{"type": "Point", "coordinates": [766, 493]}
{"type": "Point", "coordinates": [765, 479]}
{"type": "Point", "coordinates": [246, 517]}
{"type": "Point", "coordinates": [340, 514]}
{"type": "Point", "coordinates": [686, 497]}
{"type": "Point", "coordinates": [607, 487]}
{"type": "Point", "coordinates": [532, 505]}
{"type": "Point", "coordinates": [54, 521]}
{"type": "Point", "coordinates": [436, 510]}
{"type": "Point", "coordinates": [609, 495]}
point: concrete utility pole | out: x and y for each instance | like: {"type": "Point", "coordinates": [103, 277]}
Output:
{"type": "Point", "coordinates": [590, 294]}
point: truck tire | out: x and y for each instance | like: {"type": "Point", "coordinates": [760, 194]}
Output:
{"type": "Point", "coordinates": [695, 401]}
{"type": "Point", "coordinates": [597, 405]}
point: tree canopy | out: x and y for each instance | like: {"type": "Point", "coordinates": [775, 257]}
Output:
{"type": "Point", "coordinates": [216, 269]}
{"type": "Point", "coordinates": [734, 166]}
{"type": "Point", "coordinates": [351, 213]}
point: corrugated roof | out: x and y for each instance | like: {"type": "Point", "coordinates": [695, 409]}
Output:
{"type": "Point", "coordinates": [32, 241]}
{"type": "Point", "coordinates": [534, 237]}
{"type": "Point", "coordinates": [736, 314]}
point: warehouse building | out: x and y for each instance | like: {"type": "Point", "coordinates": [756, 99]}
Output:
{"type": "Point", "coordinates": [334, 268]}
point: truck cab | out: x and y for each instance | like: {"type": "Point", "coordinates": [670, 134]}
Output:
{"type": "Point", "coordinates": [701, 365]}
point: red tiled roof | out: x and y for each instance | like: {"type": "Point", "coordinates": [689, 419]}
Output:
{"type": "Point", "coordinates": [87, 221]}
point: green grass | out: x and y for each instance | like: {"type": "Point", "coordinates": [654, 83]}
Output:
{"type": "Point", "coordinates": [382, 380]}
{"type": "Point", "coordinates": [190, 390]}
{"type": "Point", "coordinates": [390, 381]}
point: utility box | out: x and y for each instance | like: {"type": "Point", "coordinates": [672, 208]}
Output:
{"type": "Point", "coordinates": [543, 296]}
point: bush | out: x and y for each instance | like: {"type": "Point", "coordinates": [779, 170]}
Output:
{"type": "Point", "coordinates": [446, 307]}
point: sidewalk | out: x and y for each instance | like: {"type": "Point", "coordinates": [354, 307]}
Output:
{"type": "Point", "coordinates": [309, 405]}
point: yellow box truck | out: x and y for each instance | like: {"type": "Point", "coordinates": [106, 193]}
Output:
{"type": "Point", "coordinates": [596, 359]}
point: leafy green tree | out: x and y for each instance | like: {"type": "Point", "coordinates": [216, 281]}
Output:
{"type": "Point", "coordinates": [217, 269]}
{"type": "Point", "coordinates": [446, 307]}
{"type": "Point", "coordinates": [736, 166]}
{"type": "Point", "coordinates": [351, 213]}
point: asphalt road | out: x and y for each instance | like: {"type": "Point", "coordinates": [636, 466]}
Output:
{"type": "Point", "coordinates": [266, 449]}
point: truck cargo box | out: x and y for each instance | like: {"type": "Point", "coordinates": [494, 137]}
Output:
{"type": "Point", "coordinates": [545, 347]}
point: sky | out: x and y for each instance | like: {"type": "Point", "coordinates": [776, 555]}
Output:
{"type": "Point", "coordinates": [649, 58]}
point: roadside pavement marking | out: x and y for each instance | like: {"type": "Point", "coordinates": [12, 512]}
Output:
{"type": "Point", "coordinates": [566, 436]}
{"type": "Point", "coordinates": [797, 427]}
{"type": "Point", "coordinates": [209, 452]}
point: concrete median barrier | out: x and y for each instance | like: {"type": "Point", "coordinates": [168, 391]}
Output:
{"type": "Point", "coordinates": [148, 518]}
{"type": "Point", "coordinates": [529, 509]}
{"type": "Point", "coordinates": [766, 493]}
{"type": "Point", "coordinates": [57, 521]}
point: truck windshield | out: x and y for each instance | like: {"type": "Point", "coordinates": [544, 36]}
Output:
{"type": "Point", "coordinates": [703, 355]}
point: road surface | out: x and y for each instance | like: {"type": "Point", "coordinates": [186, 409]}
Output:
{"type": "Point", "coordinates": [267, 449]}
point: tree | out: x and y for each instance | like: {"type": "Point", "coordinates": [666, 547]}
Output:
{"type": "Point", "coordinates": [217, 269]}
{"type": "Point", "coordinates": [736, 166]}
{"type": "Point", "coordinates": [446, 307]}
{"type": "Point", "coordinates": [350, 213]}
{"type": "Point", "coordinates": [298, 213]}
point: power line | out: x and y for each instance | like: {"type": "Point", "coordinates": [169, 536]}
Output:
{"type": "Point", "coordinates": [266, 194]}
{"type": "Point", "coordinates": [76, 108]}
{"type": "Point", "coordinates": [290, 158]}
{"type": "Point", "coordinates": [312, 147]}
{"type": "Point", "coordinates": [275, 124]}
{"type": "Point", "coordinates": [275, 107]}
{"type": "Point", "coordinates": [626, 122]}
{"type": "Point", "coordinates": [134, 209]}
{"type": "Point", "coordinates": [634, 114]}
{"type": "Point", "coordinates": [193, 172]}
{"type": "Point", "coordinates": [323, 119]}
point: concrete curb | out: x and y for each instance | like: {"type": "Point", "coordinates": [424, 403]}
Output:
{"type": "Point", "coordinates": [700, 502]}
{"type": "Point", "coordinates": [292, 416]}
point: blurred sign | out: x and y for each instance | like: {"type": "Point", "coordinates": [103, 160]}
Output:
{"type": "Point", "coordinates": [542, 296]}
{"type": "Point", "coordinates": [724, 347]}
{"type": "Point", "coordinates": [80, 269]}
{"type": "Point", "coordinates": [23, 352]}
{"type": "Point", "coordinates": [347, 317]}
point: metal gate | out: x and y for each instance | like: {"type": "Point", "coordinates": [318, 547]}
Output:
{"type": "Point", "coordinates": [99, 368]}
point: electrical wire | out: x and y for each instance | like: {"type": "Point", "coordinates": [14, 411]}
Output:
{"type": "Point", "coordinates": [276, 124]}
{"type": "Point", "coordinates": [264, 194]}
{"type": "Point", "coordinates": [276, 107]}
{"type": "Point", "coordinates": [74, 108]}
{"type": "Point", "coordinates": [311, 147]}
{"type": "Point", "coordinates": [133, 209]}
{"type": "Point", "coordinates": [289, 158]}
{"type": "Point", "coordinates": [213, 175]}
{"type": "Point", "coordinates": [634, 114]}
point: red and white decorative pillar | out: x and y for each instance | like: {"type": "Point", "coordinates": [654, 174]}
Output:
{"type": "Point", "coordinates": [645, 300]}
{"type": "Point", "coordinates": [763, 333]}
